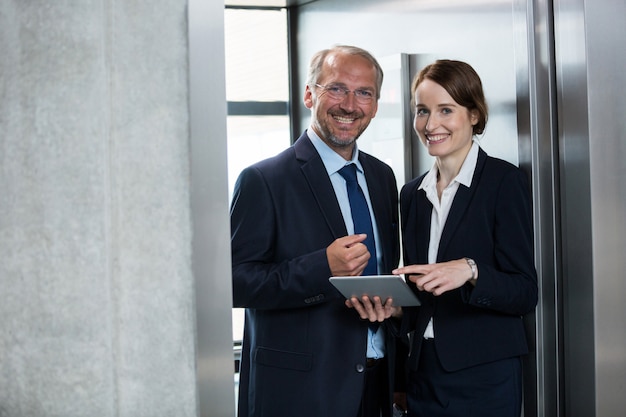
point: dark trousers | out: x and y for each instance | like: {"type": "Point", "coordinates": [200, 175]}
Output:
{"type": "Point", "coordinates": [488, 390]}
{"type": "Point", "coordinates": [375, 391]}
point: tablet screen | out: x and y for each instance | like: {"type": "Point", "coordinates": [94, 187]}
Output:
{"type": "Point", "coordinates": [384, 286]}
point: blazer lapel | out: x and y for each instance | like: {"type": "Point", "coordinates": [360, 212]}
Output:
{"type": "Point", "coordinates": [460, 204]}
{"type": "Point", "coordinates": [415, 218]}
{"type": "Point", "coordinates": [314, 171]}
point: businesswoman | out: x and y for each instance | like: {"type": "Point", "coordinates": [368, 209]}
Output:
{"type": "Point", "coordinates": [468, 247]}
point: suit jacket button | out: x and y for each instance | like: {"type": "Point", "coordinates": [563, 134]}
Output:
{"type": "Point", "coordinates": [360, 368]}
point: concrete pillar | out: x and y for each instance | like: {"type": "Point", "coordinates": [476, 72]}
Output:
{"type": "Point", "coordinates": [97, 310]}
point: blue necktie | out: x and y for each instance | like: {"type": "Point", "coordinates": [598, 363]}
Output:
{"type": "Point", "coordinates": [362, 220]}
{"type": "Point", "coordinates": [360, 215]}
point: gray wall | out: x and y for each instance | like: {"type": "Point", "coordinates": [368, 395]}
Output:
{"type": "Point", "coordinates": [97, 311]}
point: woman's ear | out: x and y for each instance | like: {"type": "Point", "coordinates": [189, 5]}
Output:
{"type": "Point", "coordinates": [474, 117]}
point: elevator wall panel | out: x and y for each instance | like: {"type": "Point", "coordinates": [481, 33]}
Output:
{"type": "Point", "coordinates": [590, 38]}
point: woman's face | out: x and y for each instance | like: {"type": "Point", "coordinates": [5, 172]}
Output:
{"type": "Point", "coordinates": [444, 126]}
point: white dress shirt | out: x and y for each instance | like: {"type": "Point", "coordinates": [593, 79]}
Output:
{"type": "Point", "coordinates": [441, 208]}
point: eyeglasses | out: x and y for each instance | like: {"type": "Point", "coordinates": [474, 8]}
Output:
{"type": "Point", "coordinates": [338, 92]}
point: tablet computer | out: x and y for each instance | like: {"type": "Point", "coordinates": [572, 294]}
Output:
{"type": "Point", "coordinates": [384, 286]}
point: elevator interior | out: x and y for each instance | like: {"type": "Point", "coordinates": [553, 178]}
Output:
{"type": "Point", "coordinates": [552, 76]}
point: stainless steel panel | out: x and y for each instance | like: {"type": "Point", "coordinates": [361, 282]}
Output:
{"type": "Point", "coordinates": [579, 363]}
{"type": "Point", "coordinates": [209, 209]}
{"type": "Point", "coordinates": [590, 40]}
{"type": "Point", "coordinates": [606, 41]}
{"type": "Point", "coordinates": [536, 122]}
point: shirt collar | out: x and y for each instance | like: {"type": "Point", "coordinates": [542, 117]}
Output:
{"type": "Point", "coordinates": [333, 162]}
{"type": "Point", "coordinates": [464, 176]}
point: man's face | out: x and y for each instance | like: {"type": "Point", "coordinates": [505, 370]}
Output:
{"type": "Point", "coordinates": [340, 118]}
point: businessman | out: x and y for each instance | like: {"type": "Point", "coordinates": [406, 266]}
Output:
{"type": "Point", "coordinates": [306, 353]}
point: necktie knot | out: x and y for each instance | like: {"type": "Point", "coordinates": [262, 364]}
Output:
{"type": "Point", "coordinates": [348, 172]}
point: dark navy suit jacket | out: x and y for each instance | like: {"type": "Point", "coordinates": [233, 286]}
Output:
{"type": "Point", "coordinates": [491, 223]}
{"type": "Point", "coordinates": [304, 351]}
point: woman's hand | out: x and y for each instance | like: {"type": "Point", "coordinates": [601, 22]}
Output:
{"type": "Point", "coordinates": [440, 277]}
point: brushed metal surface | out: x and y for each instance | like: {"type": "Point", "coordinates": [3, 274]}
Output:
{"type": "Point", "coordinates": [209, 211]}
{"type": "Point", "coordinates": [589, 41]}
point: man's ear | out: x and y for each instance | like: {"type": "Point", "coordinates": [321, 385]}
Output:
{"type": "Point", "coordinates": [308, 97]}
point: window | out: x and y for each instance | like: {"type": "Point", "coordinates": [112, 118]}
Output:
{"type": "Point", "coordinates": [257, 86]}
{"type": "Point", "coordinates": [257, 91]}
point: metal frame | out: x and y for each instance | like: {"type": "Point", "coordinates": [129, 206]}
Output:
{"type": "Point", "coordinates": [538, 154]}
{"type": "Point", "coordinates": [209, 210]}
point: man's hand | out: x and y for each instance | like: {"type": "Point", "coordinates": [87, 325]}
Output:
{"type": "Point", "coordinates": [372, 309]}
{"type": "Point", "coordinates": [348, 256]}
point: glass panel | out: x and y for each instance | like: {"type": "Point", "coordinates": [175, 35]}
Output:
{"type": "Point", "coordinates": [252, 138]}
{"type": "Point", "coordinates": [256, 55]}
